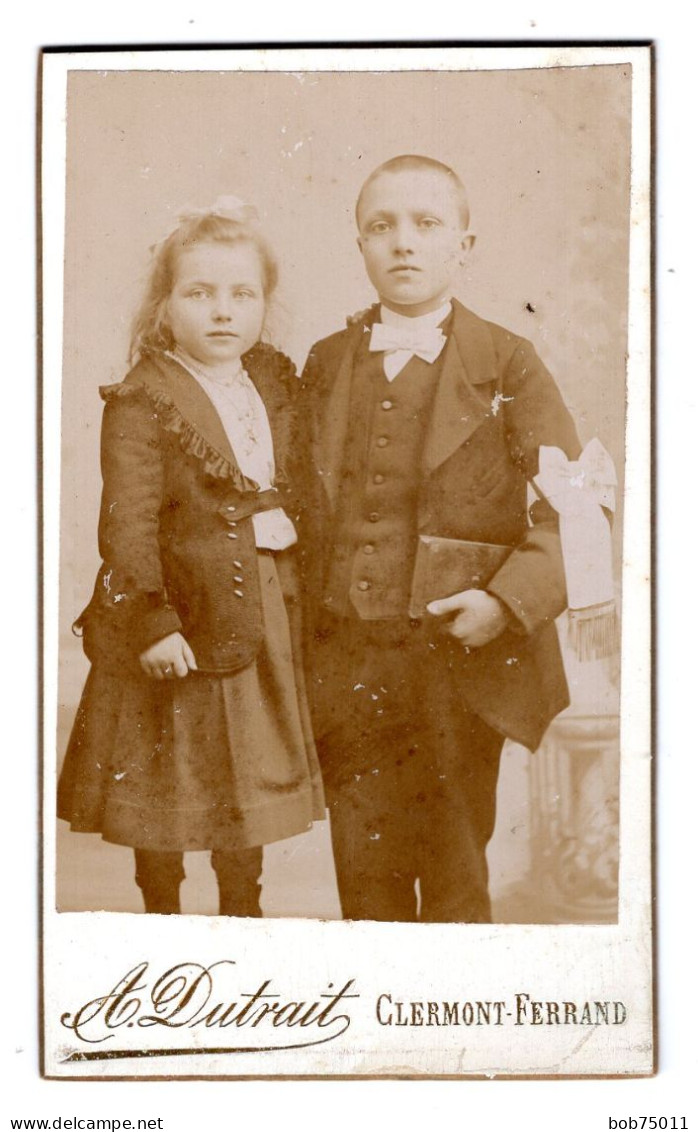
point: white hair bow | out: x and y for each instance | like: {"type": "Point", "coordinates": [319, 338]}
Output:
{"type": "Point", "coordinates": [227, 207]}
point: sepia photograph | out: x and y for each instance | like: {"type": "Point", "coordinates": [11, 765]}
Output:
{"type": "Point", "coordinates": [346, 596]}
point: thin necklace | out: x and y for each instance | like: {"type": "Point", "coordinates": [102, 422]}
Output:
{"type": "Point", "coordinates": [231, 388]}
{"type": "Point", "coordinates": [199, 371]}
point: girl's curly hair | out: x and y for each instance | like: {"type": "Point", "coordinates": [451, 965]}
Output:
{"type": "Point", "coordinates": [150, 330]}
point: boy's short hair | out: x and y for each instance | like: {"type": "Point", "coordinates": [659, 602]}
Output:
{"type": "Point", "coordinates": [410, 161]}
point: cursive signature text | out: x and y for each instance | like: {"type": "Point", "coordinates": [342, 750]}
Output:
{"type": "Point", "coordinates": [195, 997]}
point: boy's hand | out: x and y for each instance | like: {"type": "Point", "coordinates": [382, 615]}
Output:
{"type": "Point", "coordinates": [168, 658]}
{"type": "Point", "coordinates": [479, 616]}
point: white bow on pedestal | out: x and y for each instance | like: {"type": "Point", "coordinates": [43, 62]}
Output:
{"type": "Point", "coordinates": [579, 490]}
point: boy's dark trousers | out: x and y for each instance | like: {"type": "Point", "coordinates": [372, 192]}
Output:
{"type": "Point", "coordinates": [410, 772]}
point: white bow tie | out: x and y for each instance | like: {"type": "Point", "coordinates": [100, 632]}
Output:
{"type": "Point", "coordinates": [401, 343]}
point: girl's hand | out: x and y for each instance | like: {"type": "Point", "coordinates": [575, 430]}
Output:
{"type": "Point", "coordinates": [480, 616]}
{"type": "Point", "coordinates": [168, 658]}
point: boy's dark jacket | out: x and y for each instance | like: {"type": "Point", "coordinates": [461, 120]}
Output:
{"type": "Point", "coordinates": [175, 532]}
{"type": "Point", "coordinates": [496, 404]}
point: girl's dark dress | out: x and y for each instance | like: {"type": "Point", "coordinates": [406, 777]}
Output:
{"type": "Point", "coordinates": [223, 758]}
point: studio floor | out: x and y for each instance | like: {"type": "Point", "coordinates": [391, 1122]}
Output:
{"type": "Point", "coordinates": [298, 878]}
{"type": "Point", "coordinates": [298, 881]}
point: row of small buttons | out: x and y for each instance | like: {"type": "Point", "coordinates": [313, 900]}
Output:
{"type": "Point", "coordinates": [231, 522]}
{"type": "Point", "coordinates": [382, 442]}
{"type": "Point", "coordinates": [238, 565]}
{"type": "Point", "coordinates": [237, 577]}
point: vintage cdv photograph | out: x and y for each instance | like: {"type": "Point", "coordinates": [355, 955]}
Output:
{"type": "Point", "coordinates": [346, 498]}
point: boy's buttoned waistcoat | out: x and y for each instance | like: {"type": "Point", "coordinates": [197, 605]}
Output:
{"type": "Point", "coordinates": [495, 405]}
{"type": "Point", "coordinates": [175, 530]}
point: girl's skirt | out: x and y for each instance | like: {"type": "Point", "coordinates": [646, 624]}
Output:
{"type": "Point", "coordinates": [203, 762]}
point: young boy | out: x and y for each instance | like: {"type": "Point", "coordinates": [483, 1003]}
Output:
{"type": "Point", "coordinates": [424, 419]}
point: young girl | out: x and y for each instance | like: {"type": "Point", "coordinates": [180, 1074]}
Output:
{"type": "Point", "coordinates": [193, 730]}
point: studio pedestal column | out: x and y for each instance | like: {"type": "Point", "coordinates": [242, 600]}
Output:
{"type": "Point", "coordinates": [573, 798]}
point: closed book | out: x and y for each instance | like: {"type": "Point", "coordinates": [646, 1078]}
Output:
{"type": "Point", "coordinates": [446, 566]}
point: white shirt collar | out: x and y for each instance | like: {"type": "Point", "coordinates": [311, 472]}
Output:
{"type": "Point", "coordinates": [426, 321]}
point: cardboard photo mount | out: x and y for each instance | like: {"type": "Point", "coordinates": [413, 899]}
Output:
{"type": "Point", "coordinates": [554, 145]}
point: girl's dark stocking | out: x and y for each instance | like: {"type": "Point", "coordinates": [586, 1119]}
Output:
{"type": "Point", "coordinates": [238, 873]}
{"type": "Point", "coordinates": [159, 875]}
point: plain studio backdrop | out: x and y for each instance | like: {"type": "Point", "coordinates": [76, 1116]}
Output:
{"type": "Point", "coordinates": [544, 155]}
